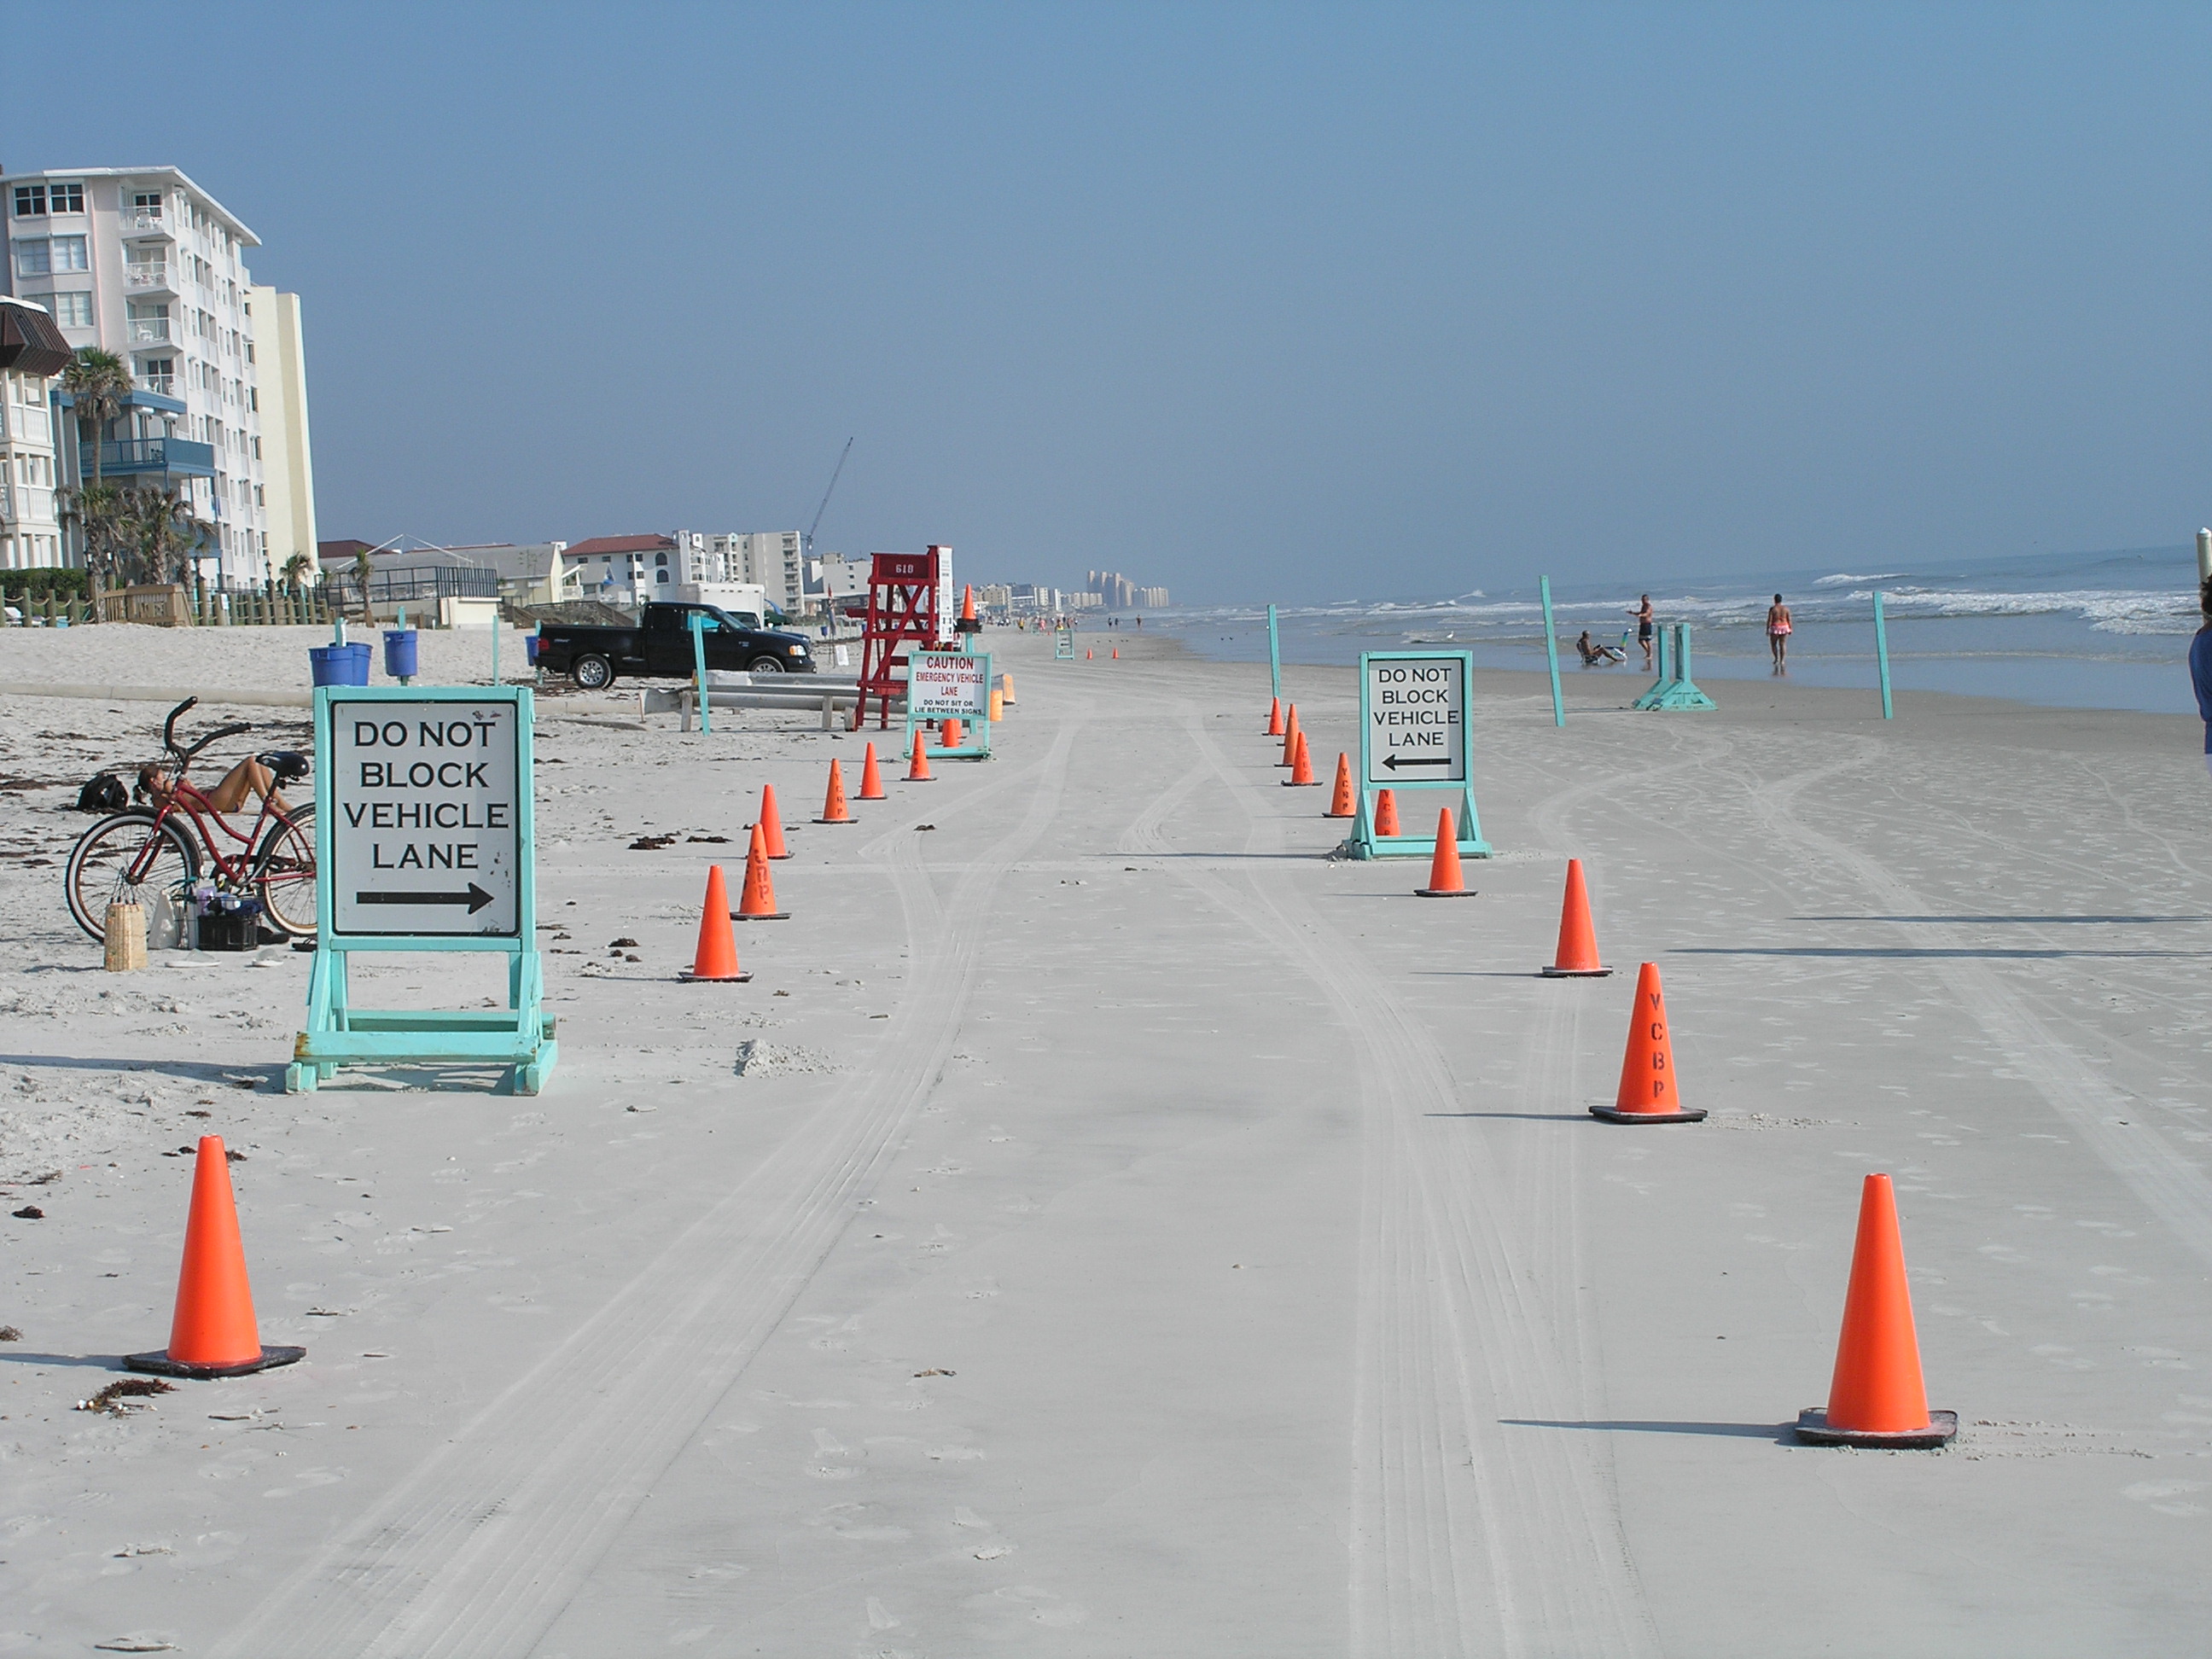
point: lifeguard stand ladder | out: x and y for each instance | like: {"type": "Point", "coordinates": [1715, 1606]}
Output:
{"type": "Point", "coordinates": [901, 616]}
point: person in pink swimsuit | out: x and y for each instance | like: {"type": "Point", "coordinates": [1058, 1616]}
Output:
{"type": "Point", "coordinates": [1777, 633]}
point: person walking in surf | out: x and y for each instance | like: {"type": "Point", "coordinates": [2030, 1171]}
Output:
{"type": "Point", "coordinates": [2199, 667]}
{"type": "Point", "coordinates": [1643, 629]}
{"type": "Point", "coordinates": [1778, 634]}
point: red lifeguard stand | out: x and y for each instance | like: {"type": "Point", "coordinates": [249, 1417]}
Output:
{"type": "Point", "coordinates": [901, 614]}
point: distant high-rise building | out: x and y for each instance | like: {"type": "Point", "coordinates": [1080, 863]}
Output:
{"type": "Point", "coordinates": [143, 263]}
{"type": "Point", "coordinates": [1116, 592]}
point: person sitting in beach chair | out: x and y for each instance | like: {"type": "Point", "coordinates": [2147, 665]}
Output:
{"type": "Point", "coordinates": [1596, 655]}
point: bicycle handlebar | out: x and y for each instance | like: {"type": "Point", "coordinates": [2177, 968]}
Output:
{"type": "Point", "coordinates": [215, 736]}
{"type": "Point", "coordinates": [169, 725]}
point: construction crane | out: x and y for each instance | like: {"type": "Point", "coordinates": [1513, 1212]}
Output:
{"type": "Point", "coordinates": [807, 548]}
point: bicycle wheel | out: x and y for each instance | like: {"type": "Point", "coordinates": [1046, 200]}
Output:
{"type": "Point", "coordinates": [285, 877]}
{"type": "Point", "coordinates": [129, 859]}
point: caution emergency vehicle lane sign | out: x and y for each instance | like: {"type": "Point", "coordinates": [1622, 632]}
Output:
{"type": "Point", "coordinates": [1416, 712]}
{"type": "Point", "coordinates": [425, 830]}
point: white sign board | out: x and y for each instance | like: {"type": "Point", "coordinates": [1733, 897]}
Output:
{"type": "Point", "coordinates": [1417, 720]}
{"type": "Point", "coordinates": [941, 685]}
{"type": "Point", "coordinates": [425, 837]}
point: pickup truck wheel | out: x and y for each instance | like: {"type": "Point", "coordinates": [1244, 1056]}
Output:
{"type": "Point", "coordinates": [593, 674]}
{"type": "Point", "coordinates": [767, 665]}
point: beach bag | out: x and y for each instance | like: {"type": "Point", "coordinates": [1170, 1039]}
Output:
{"type": "Point", "coordinates": [105, 793]}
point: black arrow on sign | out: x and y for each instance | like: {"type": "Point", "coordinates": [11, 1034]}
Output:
{"type": "Point", "coordinates": [476, 898]}
{"type": "Point", "coordinates": [1394, 763]}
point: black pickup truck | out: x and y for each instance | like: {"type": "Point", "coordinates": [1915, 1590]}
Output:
{"type": "Point", "coordinates": [659, 647]}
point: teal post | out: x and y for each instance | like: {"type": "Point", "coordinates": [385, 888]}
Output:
{"type": "Point", "coordinates": [1881, 655]}
{"type": "Point", "coordinates": [1551, 653]}
{"type": "Point", "coordinates": [699, 668]}
{"type": "Point", "coordinates": [495, 648]}
{"type": "Point", "coordinates": [1682, 692]}
{"type": "Point", "coordinates": [1658, 687]}
{"type": "Point", "coordinates": [1274, 656]}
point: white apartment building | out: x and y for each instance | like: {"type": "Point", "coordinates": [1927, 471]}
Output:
{"type": "Point", "coordinates": [288, 464]}
{"type": "Point", "coordinates": [142, 262]}
{"type": "Point", "coordinates": [1152, 598]}
{"type": "Point", "coordinates": [32, 351]}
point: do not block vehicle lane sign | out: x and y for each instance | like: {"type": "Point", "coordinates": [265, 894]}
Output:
{"type": "Point", "coordinates": [1416, 710]}
{"type": "Point", "coordinates": [426, 830]}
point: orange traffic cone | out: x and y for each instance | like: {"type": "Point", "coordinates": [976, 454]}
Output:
{"type": "Point", "coordinates": [1302, 776]}
{"type": "Point", "coordinates": [757, 901]}
{"type": "Point", "coordinates": [1290, 737]}
{"type": "Point", "coordinates": [968, 605]}
{"type": "Point", "coordinates": [871, 780]}
{"type": "Point", "coordinates": [771, 824]}
{"type": "Point", "coordinates": [1386, 812]}
{"type": "Point", "coordinates": [917, 768]}
{"type": "Point", "coordinates": [1087, 654]}
{"type": "Point", "coordinates": [949, 734]}
{"type": "Point", "coordinates": [1274, 717]}
{"type": "Point", "coordinates": [1117, 653]}
{"type": "Point", "coordinates": [212, 1332]}
{"type": "Point", "coordinates": [715, 960]}
{"type": "Point", "coordinates": [1877, 1397]}
{"type": "Point", "coordinates": [1648, 1093]}
{"type": "Point", "coordinates": [1444, 878]}
{"type": "Point", "coordinates": [1577, 953]}
{"type": "Point", "coordinates": [1340, 803]}
{"type": "Point", "coordinates": [833, 804]}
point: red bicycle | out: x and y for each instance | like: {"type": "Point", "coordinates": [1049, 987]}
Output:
{"type": "Point", "coordinates": [154, 856]}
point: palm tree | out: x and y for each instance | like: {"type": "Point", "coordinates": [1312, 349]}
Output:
{"type": "Point", "coordinates": [97, 383]}
{"type": "Point", "coordinates": [295, 571]}
{"type": "Point", "coordinates": [363, 568]}
{"type": "Point", "coordinates": [100, 514]}
{"type": "Point", "coordinates": [165, 534]}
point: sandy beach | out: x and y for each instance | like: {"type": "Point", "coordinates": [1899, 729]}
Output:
{"type": "Point", "coordinates": [1132, 1232]}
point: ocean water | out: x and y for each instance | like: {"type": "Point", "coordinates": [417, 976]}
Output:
{"type": "Point", "coordinates": [2096, 630]}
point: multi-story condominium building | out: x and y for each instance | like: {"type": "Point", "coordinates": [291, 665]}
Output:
{"type": "Point", "coordinates": [142, 262]}
{"type": "Point", "coordinates": [32, 351]}
{"type": "Point", "coordinates": [1152, 598]}
{"type": "Point", "coordinates": [288, 467]}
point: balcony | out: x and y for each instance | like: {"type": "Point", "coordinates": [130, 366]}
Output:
{"type": "Point", "coordinates": [163, 386]}
{"type": "Point", "coordinates": [144, 330]}
{"type": "Point", "coordinates": [142, 278]}
{"type": "Point", "coordinates": [177, 458]}
{"type": "Point", "coordinates": [131, 222]}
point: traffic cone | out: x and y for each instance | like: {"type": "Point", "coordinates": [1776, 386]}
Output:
{"type": "Point", "coordinates": [1444, 878]}
{"type": "Point", "coordinates": [1877, 1397]}
{"type": "Point", "coordinates": [1290, 737]}
{"type": "Point", "coordinates": [917, 768]}
{"type": "Point", "coordinates": [1302, 776]}
{"type": "Point", "coordinates": [1577, 953]}
{"type": "Point", "coordinates": [771, 824]}
{"type": "Point", "coordinates": [1340, 803]}
{"type": "Point", "coordinates": [1648, 1084]}
{"type": "Point", "coordinates": [949, 734]}
{"type": "Point", "coordinates": [1274, 717]}
{"type": "Point", "coordinates": [1086, 653]}
{"type": "Point", "coordinates": [871, 780]}
{"type": "Point", "coordinates": [757, 901]}
{"type": "Point", "coordinates": [212, 1332]}
{"type": "Point", "coordinates": [1386, 812]}
{"type": "Point", "coordinates": [1117, 653]}
{"type": "Point", "coordinates": [715, 960]}
{"type": "Point", "coordinates": [968, 605]}
{"type": "Point", "coordinates": [998, 706]}
{"type": "Point", "coordinates": [833, 804]}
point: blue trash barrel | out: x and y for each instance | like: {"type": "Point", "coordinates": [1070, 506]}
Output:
{"type": "Point", "coordinates": [399, 653]}
{"type": "Point", "coordinates": [338, 665]}
{"type": "Point", "coordinates": [530, 644]}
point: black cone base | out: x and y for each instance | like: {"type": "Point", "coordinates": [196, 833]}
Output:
{"type": "Point", "coordinates": [1614, 1114]}
{"type": "Point", "coordinates": [161, 1365]}
{"type": "Point", "coordinates": [1812, 1428]}
{"type": "Point", "coordinates": [1443, 893]}
{"type": "Point", "coordinates": [1573, 973]}
{"type": "Point", "coordinates": [765, 916]}
{"type": "Point", "coordinates": [690, 978]}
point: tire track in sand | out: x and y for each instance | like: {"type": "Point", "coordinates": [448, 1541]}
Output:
{"type": "Point", "coordinates": [478, 1551]}
{"type": "Point", "coordinates": [1467, 1535]}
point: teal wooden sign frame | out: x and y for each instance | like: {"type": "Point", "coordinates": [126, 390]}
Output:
{"type": "Point", "coordinates": [1364, 842]}
{"type": "Point", "coordinates": [975, 733]}
{"type": "Point", "coordinates": [520, 1037]}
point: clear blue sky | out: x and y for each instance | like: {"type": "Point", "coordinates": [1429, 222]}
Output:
{"type": "Point", "coordinates": [1256, 302]}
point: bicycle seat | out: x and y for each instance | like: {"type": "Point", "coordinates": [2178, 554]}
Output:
{"type": "Point", "coordinates": [285, 765]}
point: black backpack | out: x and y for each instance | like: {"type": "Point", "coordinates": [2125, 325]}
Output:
{"type": "Point", "coordinates": [105, 793]}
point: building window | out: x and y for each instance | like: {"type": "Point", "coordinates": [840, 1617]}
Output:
{"type": "Point", "coordinates": [74, 309]}
{"type": "Point", "coordinates": [157, 374]}
{"type": "Point", "coordinates": [660, 575]}
{"type": "Point", "coordinates": [256, 449]}
{"type": "Point", "coordinates": [33, 258]}
{"type": "Point", "coordinates": [65, 198]}
{"type": "Point", "coordinates": [147, 203]}
{"type": "Point", "coordinates": [148, 319]}
{"type": "Point", "coordinates": [70, 254]}
{"type": "Point", "coordinates": [661, 558]}
{"type": "Point", "coordinates": [30, 201]}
